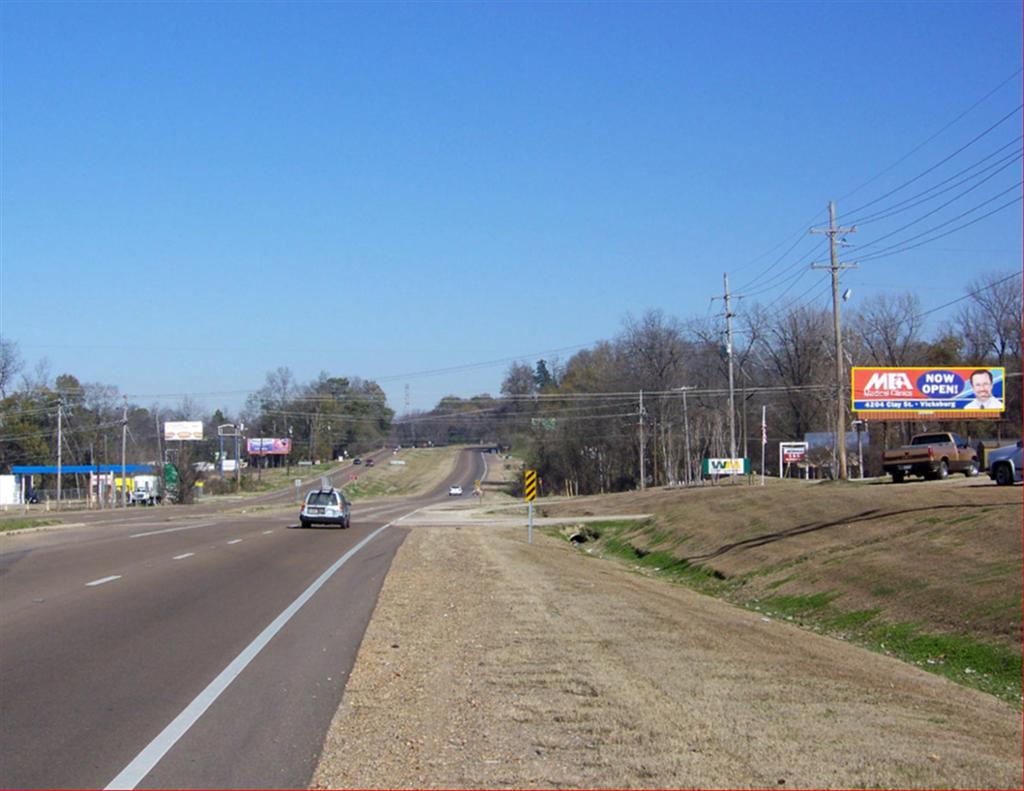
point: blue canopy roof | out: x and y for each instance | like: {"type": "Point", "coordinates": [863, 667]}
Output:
{"type": "Point", "coordinates": [81, 469]}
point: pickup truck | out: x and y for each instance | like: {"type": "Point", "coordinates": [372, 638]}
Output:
{"type": "Point", "coordinates": [1004, 464]}
{"type": "Point", "coordinates": [932, 456]}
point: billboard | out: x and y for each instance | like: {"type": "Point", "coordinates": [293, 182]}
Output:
{"type": "Point", "coordinates": [268, 446]}
{"type": "Point", "coordinates": [183, 430]}
{"type": "Point", "coordinates": [725, 466]}
{"type": "Point", "coordinates": [950, 393]}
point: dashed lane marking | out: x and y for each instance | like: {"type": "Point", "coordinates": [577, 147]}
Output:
{"type": "Point", "coordinates": [103, 581]}
{"type": "Point", "coordinates": [169, 530]}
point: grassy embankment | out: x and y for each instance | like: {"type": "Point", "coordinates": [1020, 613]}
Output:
{"type": "Point", "coordinates": [928, 572]}
{"type": "Point", "coordinates": [20, 523]}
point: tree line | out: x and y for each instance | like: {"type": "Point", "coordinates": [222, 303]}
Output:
{"type": "Point", "coordinates": [324, 418]}
{"type": "Point", "coordinates": [579, 422]}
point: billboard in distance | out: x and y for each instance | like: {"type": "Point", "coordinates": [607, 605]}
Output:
{"type": "Point", "coordinates": [953, 393]}
{"type": "Point", "coordinates": [268, 446]}
{"type": "Point", "coordinates": [183, 430]}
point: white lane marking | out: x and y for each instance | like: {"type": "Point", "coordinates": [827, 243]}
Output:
{"type": "Point", "coordinates": [169, 530]}
{"type": "Point", "coordinates": [235, 541]}
{"type": "Point", "coordinates": [182, 557]}
{"type": "Point", "coordinates": [103, 581]}
{"type": "Point", "coordinates": [484, 478]}
{"type": "Point", "coordinates": [267, 532]}
{"type": "Point", "coordinates": [152, 753]}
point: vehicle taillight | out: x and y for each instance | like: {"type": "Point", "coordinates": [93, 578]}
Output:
{"type": "Point", "coordinates": [931, 452]}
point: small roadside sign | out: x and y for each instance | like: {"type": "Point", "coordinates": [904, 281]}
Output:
{"type": "Point", "coordinates": [530, 494]}
{"type": "Point", "coordinates": [530, 486]}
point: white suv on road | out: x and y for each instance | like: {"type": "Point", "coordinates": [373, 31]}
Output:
{"type": "Point", "coordinates": [325, 506]}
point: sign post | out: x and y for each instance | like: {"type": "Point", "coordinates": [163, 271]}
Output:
{"type": "Point", "coordinates": [530, 494]}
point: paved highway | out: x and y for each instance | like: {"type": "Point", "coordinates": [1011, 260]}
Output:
{"type": "Point", "coordinates": [206, 652]}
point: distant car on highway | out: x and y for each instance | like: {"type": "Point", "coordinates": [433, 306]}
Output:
{"type": "Point", "coordinates": [1004, 464]}
{"type": "Point", "coordinates": [369, 462]}
{"type": "Point", "coordinates": [325, 507]}
{"type": "Point", "coordinates": [455, 491]}
{"type": "Point", "coordinates": [357, 460]}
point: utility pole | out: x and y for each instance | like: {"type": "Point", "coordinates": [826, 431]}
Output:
{"type": "Point", "coordinates": [159, 455]}
{"type": "Point", "coordinates": [643, 475]}
{"type": "Point", "coordinates": [835, 267]}
{"type": "Point", "coordinates": [60, 438]}
{"type": "Point", "coordinates": [686, 429]}
{"type": "Point", "coordinates": [728, 350]}
{"type": "Point", "coordinates": [124, 448]}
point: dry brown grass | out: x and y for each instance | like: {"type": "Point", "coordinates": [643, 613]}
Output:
{"type": "Point", "coordinates": [944, 554]}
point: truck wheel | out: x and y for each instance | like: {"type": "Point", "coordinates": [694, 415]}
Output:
{"type": "Point", "coordinates": [897, 477]}
{"type": "Point", "coordinates": [1003, 475]}
{"type": "Point", "coordinates": [972, 469]}
{"type": "Point", "coordinates": [943, 472]}
{"type": "Point", "coordinates": [304, 522]}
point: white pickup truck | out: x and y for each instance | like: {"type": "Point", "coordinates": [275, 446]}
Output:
{"type": "Point", "coordinates": [1004, 464]}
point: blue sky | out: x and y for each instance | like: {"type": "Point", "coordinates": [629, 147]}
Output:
{"type": "Point", "coordinates": [194, 194]}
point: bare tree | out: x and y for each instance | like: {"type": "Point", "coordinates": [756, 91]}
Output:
{"type": "Point", "coordinates": [10, 364]}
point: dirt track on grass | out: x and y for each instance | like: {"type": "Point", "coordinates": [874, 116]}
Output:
{"type": "Point", "coordinates": [493, 663]}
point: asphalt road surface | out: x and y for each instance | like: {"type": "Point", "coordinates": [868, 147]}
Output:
{"type": "Point", "coordinates": [206, 652]}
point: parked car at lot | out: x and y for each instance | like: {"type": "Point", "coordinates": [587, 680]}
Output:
{"type": "Point", "coordinates": [455, 491]}
{"type": "Point", "coordinates": [1004, 464]}
{"type": "Point", "coordinates": [325, 507]}
{"type": "Point", "coordinates": [932, 456]}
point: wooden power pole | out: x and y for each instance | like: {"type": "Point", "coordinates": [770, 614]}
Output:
{"type": "Point", "coordinates": [835, 267]}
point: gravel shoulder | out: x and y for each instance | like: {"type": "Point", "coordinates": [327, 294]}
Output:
{"type": "Point", "coordinates": [493, 663]}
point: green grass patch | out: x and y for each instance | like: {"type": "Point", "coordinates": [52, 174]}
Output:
{"type": "Point", "coordinates": [22, 523]}
{"type": "Point", "coordinates": [848, 621]}
{"type": "Point", "coordinates": [779, 583]}
{"type": "Point", "coordinates": [618, 539]}
{"type": "Point", "coordinates": [798, 605]}
{"type": "Point", "coordinates": [963, 518]}
{"type": "Point", "coordinates": [990, 668]}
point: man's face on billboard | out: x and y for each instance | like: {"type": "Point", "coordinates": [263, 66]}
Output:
{"type": "Point", "coordinates": [982, 385]}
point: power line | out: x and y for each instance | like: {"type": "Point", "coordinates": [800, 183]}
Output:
{"type": "Point", "coordinates": [908, 203]}
{"type": "Point", "coordinates": [967, 296]}
{"type": "Point", "coordinates": [929, 139]}
{"type": "Point", "coordinates": [902, 247]}
{"type": "Point", "coordinates": [938, 164]}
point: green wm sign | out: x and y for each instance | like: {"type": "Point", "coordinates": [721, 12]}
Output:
{"type": "Point", "coordinates": [725, 466]}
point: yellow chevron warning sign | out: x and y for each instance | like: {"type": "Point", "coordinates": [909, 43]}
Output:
{"type": "Point", "coordinates": [530, 486]}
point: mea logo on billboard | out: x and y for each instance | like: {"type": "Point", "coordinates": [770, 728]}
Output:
{"type": "Point", "coordinates": [889, 384]}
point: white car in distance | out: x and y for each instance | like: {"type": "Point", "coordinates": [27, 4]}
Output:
{"type": "Point", "coordinates": [455, 491]}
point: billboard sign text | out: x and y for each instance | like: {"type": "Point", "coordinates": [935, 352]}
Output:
{"type": "Point", "coordinates": [268, 446]}
{"type": "Point", "coordinates": [726, 466]}
{"type": "Point", "coordinates": [954, 392]}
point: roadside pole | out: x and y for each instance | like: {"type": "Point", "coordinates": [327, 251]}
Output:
{"type": "Point", "coordinates": [530, 494]}
{"type": "Point", "coordinates": [60, 415]}
{"type": "Point", "coordinates": [124, 448]}
{"type": "Point", "coordinates": [764, 436]}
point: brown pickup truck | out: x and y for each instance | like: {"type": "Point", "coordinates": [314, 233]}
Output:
{"type": "Point", "coordinates": [931, 456]}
